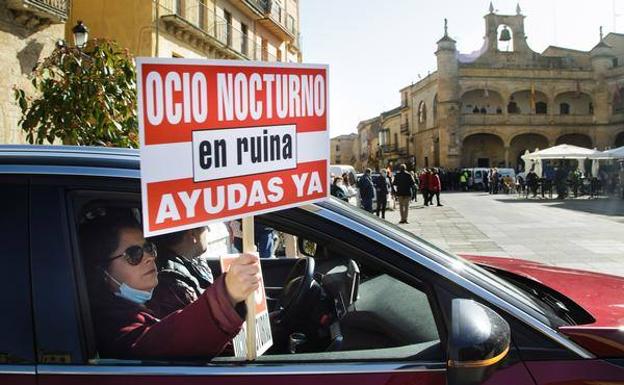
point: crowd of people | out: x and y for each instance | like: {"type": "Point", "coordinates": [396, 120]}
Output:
{"type": "Point", "coordinates": [566, 181]}
{"type": "Point", "coordinates": [373, 190]}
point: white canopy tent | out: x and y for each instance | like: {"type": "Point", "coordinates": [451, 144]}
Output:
{"type": "Point", "coordinates": [562, 151]}
{"type": "Point", "coordinates": [614, 153]}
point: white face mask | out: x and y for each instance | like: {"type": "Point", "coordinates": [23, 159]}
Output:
{"type": "Point", "coordinates": [131, 294]}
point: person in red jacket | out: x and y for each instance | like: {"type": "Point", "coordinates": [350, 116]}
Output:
{"type": "Point", "coordinates": [122, 275]}
{"type": "Point", "coordinates": [434, 185]}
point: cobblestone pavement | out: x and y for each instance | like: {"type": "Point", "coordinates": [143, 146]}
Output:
{"type": "Point", "coordinates": [584, 234]}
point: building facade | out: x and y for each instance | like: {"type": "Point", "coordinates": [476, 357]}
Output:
{"type": "Point", "coordinates": [342, 149]}
{"type": "Point", "coordinates": [486, 108]}
{"type": "Point", "coordinates": [29, 30]}
{"type": "Point", "coordinates": [266, 30]}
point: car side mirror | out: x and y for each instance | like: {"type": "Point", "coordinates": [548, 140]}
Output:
{"type": "Point", "coordinates": [479, 340]}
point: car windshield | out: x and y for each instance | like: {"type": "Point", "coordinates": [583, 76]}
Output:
{"type": "Point", "coordinates": [484, 278]}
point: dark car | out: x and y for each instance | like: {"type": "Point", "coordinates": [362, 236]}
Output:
{"type": "Point", "coordinates": [374, 303]}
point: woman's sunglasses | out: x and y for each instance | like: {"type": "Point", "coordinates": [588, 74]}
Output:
{"type": "Point", "coordinates": [134, 254]}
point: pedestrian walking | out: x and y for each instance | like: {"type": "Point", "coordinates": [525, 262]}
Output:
{"type": "Point", "coordinates": [435, 186]}
{"type": "Point", "coordinates": [382, 187]}
{"type": "Point", "coordinates": [532, 182]}
{"type": "Point", "coordinates": [463, 180]}
{"type": "Point", "coordinates": [403, 183]}
{"type": "Point", "coordinates": [414, 187]}
{"type": "Point", "coordinates": [367, 190]}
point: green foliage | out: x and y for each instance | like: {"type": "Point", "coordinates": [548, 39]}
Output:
{"type": "Point", "coordinates": [84, 97]}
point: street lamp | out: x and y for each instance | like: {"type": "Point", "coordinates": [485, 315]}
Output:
{"type": "Point", "coordinates": [81, 34]}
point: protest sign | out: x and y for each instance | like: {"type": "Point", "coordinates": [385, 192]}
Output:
{"type": "Point", "coordinates": [222, 140]}
{"type": "Point", "coordinates": [226, 139]}
{"type": "Point", "coordinates": [263, 337]}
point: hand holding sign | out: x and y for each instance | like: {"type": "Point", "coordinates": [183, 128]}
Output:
{"type": "Point", "coordinates": [243, 277]}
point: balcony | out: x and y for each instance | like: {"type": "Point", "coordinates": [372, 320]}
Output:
{"type": "Point", "coordinates": [275, 21]}
{"type": "Point", "coordinates": [255, 9]}
{"type": "Point", "coordinates": [525, 119]}
{"type": "Point", "coordinates": [39, 13]}
{"type": "Point", "coordinates": [201, 28]}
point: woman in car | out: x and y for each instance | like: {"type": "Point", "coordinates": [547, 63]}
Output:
{"type": "Point", "coordinates": [122, 275]}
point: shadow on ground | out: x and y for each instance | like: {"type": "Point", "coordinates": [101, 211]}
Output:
{"type": "Point", "coordinates": [603, 206]}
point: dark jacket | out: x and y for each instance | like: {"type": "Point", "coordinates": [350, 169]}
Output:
{"type": "Point", "coordinates": [131, 331]}
{"type": "Point", "coordinates": [338, 192]}
{"type": "Point", "coordinates": [180, 282]}
{"type": "Point", "coordinates": [381, 185]}
{"type": "Point", "coordinates": [365, 184]}
{"type": "Point", "coordinates": [404, 182]}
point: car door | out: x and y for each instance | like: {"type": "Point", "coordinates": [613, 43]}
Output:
{"type": "Point", "coordinates": [65, 347]}
{"type": "Point", "coordinates": [17, 355]}
{"type": "Point", "coordinates": [67, 354]}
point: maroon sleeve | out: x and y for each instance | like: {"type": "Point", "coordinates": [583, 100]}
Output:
{"type": "Point", "coordinates": [201, 329]}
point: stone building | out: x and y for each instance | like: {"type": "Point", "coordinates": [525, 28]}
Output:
{"type": "Point", "coordinates": [266, 30]}
{"type": "Point", "coordinates": [29, 30]}
{"type": "Point", "coordinates": [486, 108]}
{"type": "Point", "coordinates": [343, 150]}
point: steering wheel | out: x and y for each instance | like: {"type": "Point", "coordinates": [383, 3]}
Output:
{"type": "Point", "coordinates": [292, 302]}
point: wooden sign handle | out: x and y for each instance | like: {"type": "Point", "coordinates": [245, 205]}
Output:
{"type": "Point", "coordinates": [249, 246]}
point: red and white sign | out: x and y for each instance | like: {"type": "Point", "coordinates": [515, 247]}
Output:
{"type": "Point", "coordinates": [264, 338]}
{"type": "Point", "coordinates": [226, 139]}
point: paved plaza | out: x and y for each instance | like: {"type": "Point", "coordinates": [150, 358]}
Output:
{"type": "Point", "coordinates": [581, 233]}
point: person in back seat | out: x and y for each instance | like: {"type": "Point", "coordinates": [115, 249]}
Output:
{"type": "Point", "coordinates": [183, 274]}
{"type": "Point", "coordinates": [122, 275]}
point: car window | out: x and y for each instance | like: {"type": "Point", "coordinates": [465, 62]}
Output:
{"type": "Point", "coordinates": [354, 310]}
{"type": "Point", "coordinates": [16, 328]}
{"type": "Point", "coordinates": [370, 312]}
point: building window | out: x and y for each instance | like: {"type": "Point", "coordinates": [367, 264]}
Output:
{"type": "Point", "coordinates": [618, 99]}
{"type": "Point", "coordinates": [276, 12]}
{"type": "Point", "coordinates": [615, 62]}
{"type": "Point", "coordinates": [290, 24]}
{"type": "Point", "coordinates": [422, 112]}
{"type": "Point", "coordinates": [541, 108]}
{"type": "Point", "coordinates": [512, 108]}
{"type": "Point", "coordinates": [202, 14]}
{"type": "Point", "coordinates": [564, 109]}
{"type": "Point", "coordinates": [179, 7]}
{"type": "Point", "coordinates": [396, 140]}
{"type": "Point", "coordinates": [265, 50]}
{"type": "Point", "coordinates": [337, 147]}
{"type": "Point", "coordinates": [245, 42]}
{"type": "Point", "coordinates": [228, 29]}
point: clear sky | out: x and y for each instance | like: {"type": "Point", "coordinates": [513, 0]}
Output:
{"type": "Point", "coordinates": [375, 48]}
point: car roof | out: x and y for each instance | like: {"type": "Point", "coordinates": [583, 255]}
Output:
{"type": "Point", "coordinates": [69, 159]}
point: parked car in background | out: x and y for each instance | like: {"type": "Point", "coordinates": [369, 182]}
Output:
{"type": "Point", "coordinates": [510, 172]}
{"type": "Point", "coordinates": [341, 169]}
{"type": "Point", "coordinates": [476, 177]}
